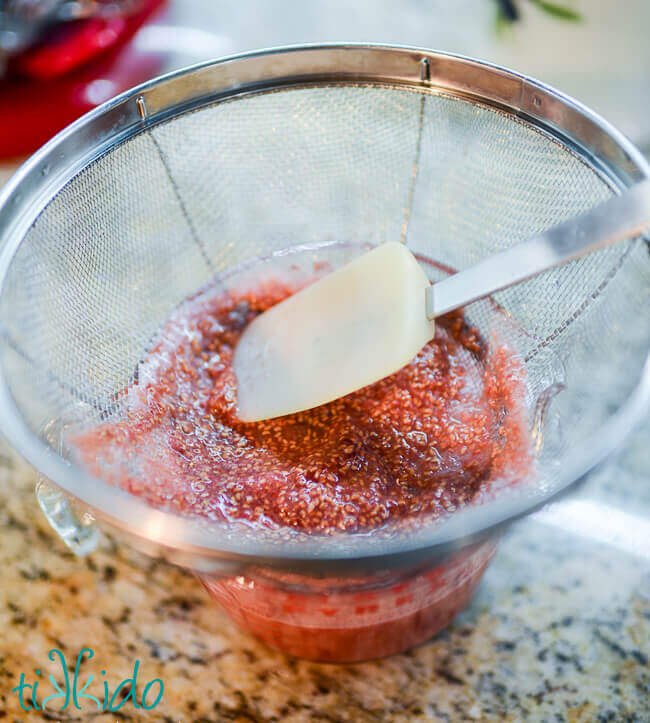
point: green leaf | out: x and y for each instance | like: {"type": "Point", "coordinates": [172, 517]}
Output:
{"type": "Point", "coordinates": [558, 11]}
{"type": "Point", "coordinates": [501, 24]}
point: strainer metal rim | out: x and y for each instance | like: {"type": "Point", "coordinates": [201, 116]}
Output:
{"type": "Point", "coordinates": [48, 170]}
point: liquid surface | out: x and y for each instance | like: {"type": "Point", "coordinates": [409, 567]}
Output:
{"type": "Point", "coordinates": [426, 440]}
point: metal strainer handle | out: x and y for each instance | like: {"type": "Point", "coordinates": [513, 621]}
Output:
{"type": "Point", "coordinates": [614, 220]}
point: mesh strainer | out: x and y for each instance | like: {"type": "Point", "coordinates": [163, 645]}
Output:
{"type": "Point", "coordinates": [151, 196]}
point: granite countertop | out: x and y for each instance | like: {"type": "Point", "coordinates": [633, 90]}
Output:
{"type": "Point", "coordinates": [559, 628]}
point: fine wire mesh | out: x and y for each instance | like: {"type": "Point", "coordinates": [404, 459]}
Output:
{"type": "Point", "coordinates": [154, 219]}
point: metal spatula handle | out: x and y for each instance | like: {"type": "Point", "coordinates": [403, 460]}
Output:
{"type": "Point", "coordinates": [614, 220]}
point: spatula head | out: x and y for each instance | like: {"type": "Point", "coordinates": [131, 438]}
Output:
{"type": "Point", "coordinates": [353, 327]}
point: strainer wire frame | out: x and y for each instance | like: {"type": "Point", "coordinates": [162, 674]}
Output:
{"type": "Point", "coordinates": [560, 117]}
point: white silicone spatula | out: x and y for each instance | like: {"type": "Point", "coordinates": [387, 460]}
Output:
{"type": "Point", "coordinates": [366, 320]}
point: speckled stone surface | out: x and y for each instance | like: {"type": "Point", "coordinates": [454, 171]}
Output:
{"type": "Point", "coordinates": [559, 629]}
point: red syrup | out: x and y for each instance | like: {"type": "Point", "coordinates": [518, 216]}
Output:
{"type": "Point", "coordinates": [417, 445]}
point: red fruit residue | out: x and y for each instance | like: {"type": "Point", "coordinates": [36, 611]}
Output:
{"type": "Point", "coordinates": [424, 441]}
